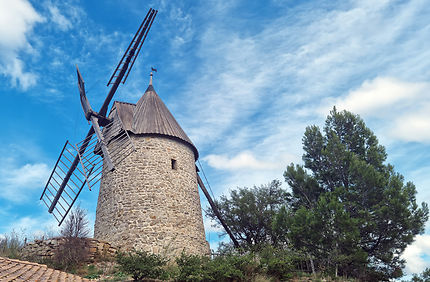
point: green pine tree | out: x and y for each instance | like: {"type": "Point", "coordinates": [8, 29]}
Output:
{"type": "Point", "coordinates": [352, 212]}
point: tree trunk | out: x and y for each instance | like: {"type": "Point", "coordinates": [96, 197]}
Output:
{"type": "Point", "coordinates": [311, 261]}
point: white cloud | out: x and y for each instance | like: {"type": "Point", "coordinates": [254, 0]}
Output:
{"type": "Point", "coordinates": [17, 19]}
{"type": "Point", "coordinates": [14, 67]}
{"type": "Point", "coordinates": [401, 107]}
{"type": "Point", "coordinates": [183, 28]}
{"type": "Point", "coordinates": [381, 93]}
{"type": "Point", "coordinates": [211, 226]}
{"type": "Point", "coordinates": [414, 252]}
{"type": "Point", "coordinates": [33, 227]}
{"type": "Point", "coordinates": [27, 175]}
{"type": "Point", "coordinates": [413, 127]}
{"type": "Point", "coordinates": [18, 181]}
{"type": "Point", "coordinates": [59, 19]}
{"type": "Point", "coordinates": [243, 160]}
{"type": "Point", "coordinates": [258, 88]}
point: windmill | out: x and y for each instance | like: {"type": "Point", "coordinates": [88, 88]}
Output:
{"type": "Point", "coordinates": [112, 152]}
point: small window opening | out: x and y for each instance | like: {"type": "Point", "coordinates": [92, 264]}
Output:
{"type": "Point", "coordinates": [174, 164]}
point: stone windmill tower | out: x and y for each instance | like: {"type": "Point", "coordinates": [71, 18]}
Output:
{"type": "Point", "coordinates": [149, 196]}
{"type": "Point", "coordinates": [151, 200]}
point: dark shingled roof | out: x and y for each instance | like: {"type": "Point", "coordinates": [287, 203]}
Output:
{"type": "Point", "coordinates": [151, 116]}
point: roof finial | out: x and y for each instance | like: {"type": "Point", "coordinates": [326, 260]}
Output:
{"type": "Point", "coordinates": [150, 79]}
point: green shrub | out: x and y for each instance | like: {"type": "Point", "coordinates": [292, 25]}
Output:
{"type": "Point", "coordinates": [278, 263]}
{"type": "Point", "coordinates": [140, 265]}
{"type": "Point", "coordinates": [120, 275]}
{"type": "Point", "coordinates": [92, 276]}
{"type": "Point", "coordinates": [221, 268]}
{"type": "Point", "coordinates": [190, 268]}
{"type": "Point", "coordinates": [93, 272]}
{"type": "Point", "coordinates": [230, 268]}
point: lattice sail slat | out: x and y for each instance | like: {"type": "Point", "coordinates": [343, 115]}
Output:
{"type": "Point", "coordinates": [90, 169]}
{"type": "Point", "coordinates": [73, 187]}
{"type": "Point", "coordinates": [118, 143]}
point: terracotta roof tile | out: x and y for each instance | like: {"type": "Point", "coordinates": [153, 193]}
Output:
{"type": "Point", "coordinates": [16, 270]}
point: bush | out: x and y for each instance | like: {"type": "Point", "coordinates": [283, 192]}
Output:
{"type": "Point", "coordinates": [221, 268]}
{"type": "Point", "coordinates": [93, 272]}
{"type": "Point", "coordinates": [191, 267]}
{"type": "Point", "coordinates": [234, 268]}
{"type": "Point", "coordinates": [279, 263]}
{"type": "Point", "coordinates": [140, 265]}
{"type": "Point", "coordinates": [71, 254]}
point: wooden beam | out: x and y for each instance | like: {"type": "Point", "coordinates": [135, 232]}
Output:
{"type": "Point", "coordinates": [216, 211]}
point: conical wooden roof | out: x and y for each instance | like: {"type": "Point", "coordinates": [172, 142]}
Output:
{"type": "Point", "coordinates": [151, 116]}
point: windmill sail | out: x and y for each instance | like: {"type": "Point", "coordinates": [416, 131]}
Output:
{"type": "Point", "coordinates": [94, 119]}
{"type": "Point", "coordinates": [84, 100]}
{"type": "Point", "coordinates": [71, 190]}
{"type": "Point", "coordinates": [89, 170]}
{"type": "Point", "coordinates": [129, 56]}
{"type": "Point", "coordinates": [67, 180]}
{"type": "Point", "coordinates": [92, 160]}
{"type": "Point", "coordinates": [133, 49]}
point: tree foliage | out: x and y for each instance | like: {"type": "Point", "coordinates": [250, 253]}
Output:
{"type": "Point", "coordinates": [422, 277]}
{"type": "Point", "coordinates": [352, 211]}
{"type": "Point", "coordinates": [249, 213]}
{"type": "Point", "coordinates": [349, 212]}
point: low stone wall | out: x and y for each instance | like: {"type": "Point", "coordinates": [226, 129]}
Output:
{"type": "Point", "coordinates": [41, 250]}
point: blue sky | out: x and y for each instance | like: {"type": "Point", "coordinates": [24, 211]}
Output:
{"type": "Point", "coordinates": [243, 78]}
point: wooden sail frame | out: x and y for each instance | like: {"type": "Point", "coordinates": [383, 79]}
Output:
{"type": "Point", "coordinates": [90, 170]}
{"type": "Point", "coordinates": [120, 71]}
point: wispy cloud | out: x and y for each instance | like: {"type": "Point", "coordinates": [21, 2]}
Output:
{"type": "Point", "coordinates": [27, 175]}
{"type": "Point", "coordinates": [211, 225]}
{"type": "Point", "coordinates": [257, 89]}
{"type": "Point", "coordinates": [32, 227]}
{"type": "Point", "coordinates": [17, 181]}
{"type": "Point", "coordinates": [260, 90]}
{"type": "Point", "coordinates": [184, 30]}
{"type": "Point", "coordinates": [243, 160]}
{"type": "Point", "coordinates": [59, 19]}
{"type": "Point", "coordinates": [17, 20]}
{"type": "Point", "coordinates": [23, 172]}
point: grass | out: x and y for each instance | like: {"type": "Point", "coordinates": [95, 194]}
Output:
{"type": "Point", "coordinates": [11, 245]}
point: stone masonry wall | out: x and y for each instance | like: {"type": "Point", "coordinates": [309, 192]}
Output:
{"type": "Point", "coordinates": [147, 205]}
{"type": "Point", "coordinates": [45, 249]}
